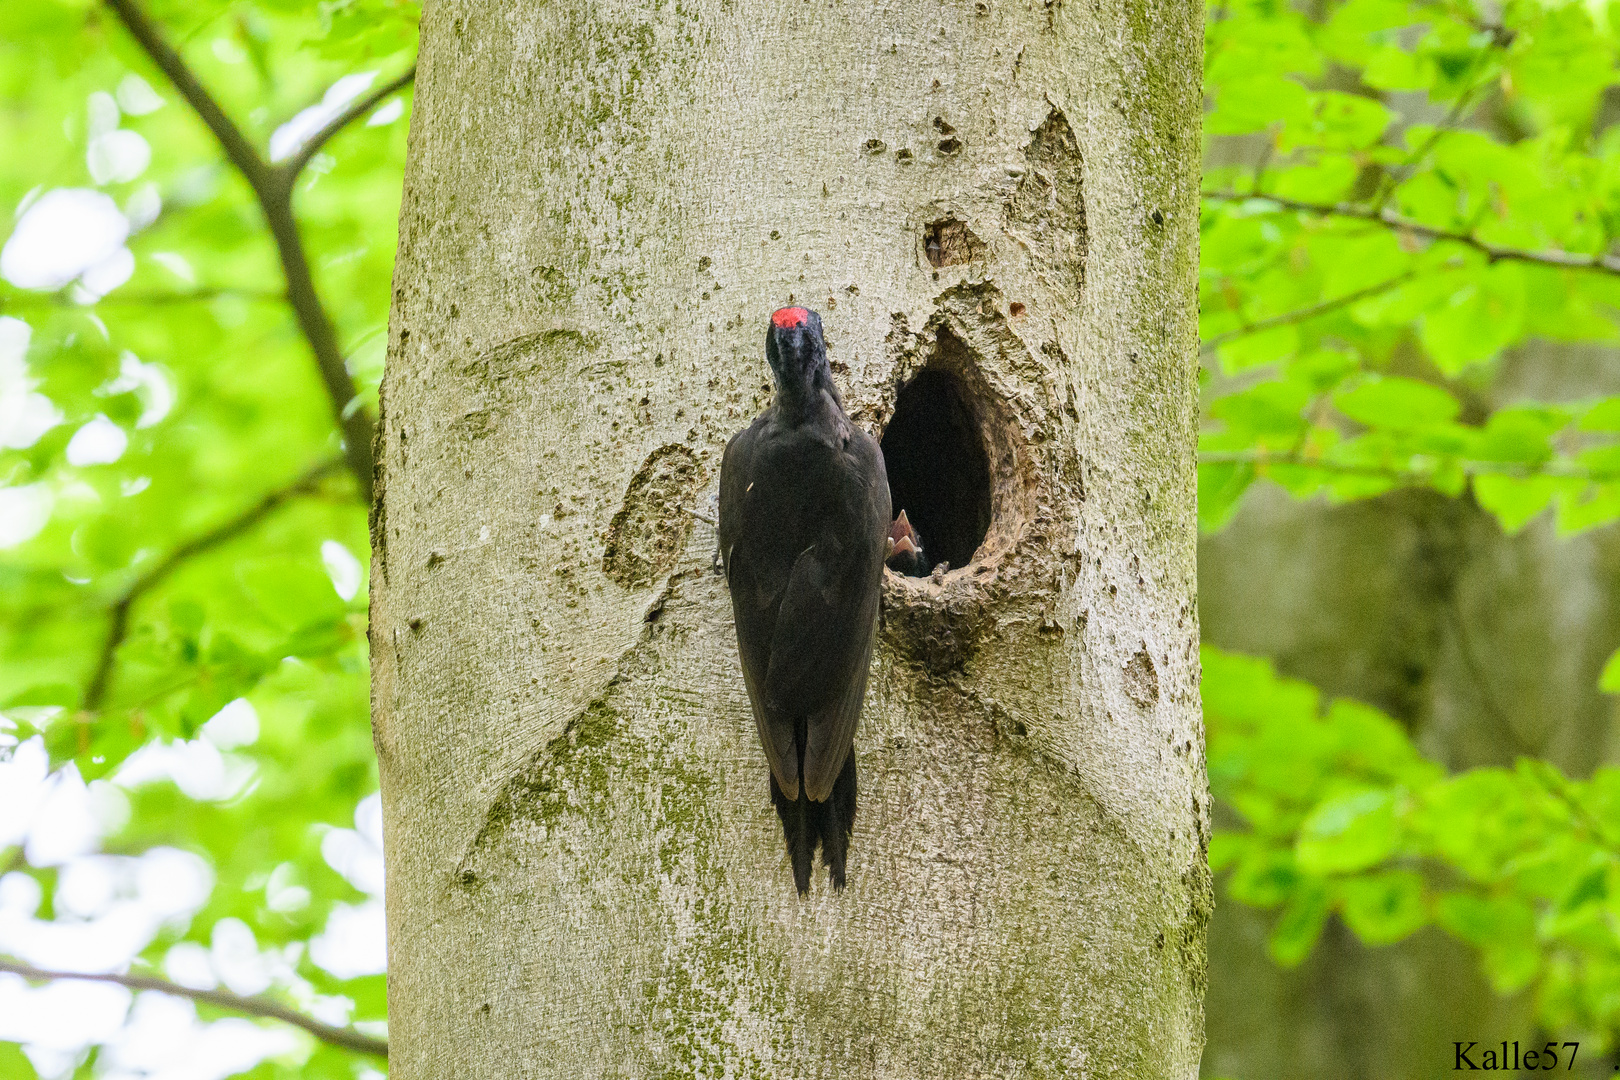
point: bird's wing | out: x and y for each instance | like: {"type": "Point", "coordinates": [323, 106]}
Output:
{"type": "Point", "coordinates": [822, 645]}
{"type": "Point", "coordinates": [756, 618]}
{"type": "Point", "coordinates": [832, 730]}
{"type": "Point", "coordinates": [734, 467]}
{"type": "Point", "coordinates": [754, 610]}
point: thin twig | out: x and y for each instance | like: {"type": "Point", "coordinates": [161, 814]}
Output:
{"type": "Point", "coordinates": [1559, 787]}
{"type": "Point", "coordinates": [95, 691]}
{"type": "Point", "coordinates": [1478, 671]}
{"type": "Point", "coordinates": [1469, 466]}
{"type": "Point", "coordinates": [1302, 314]}
{"type": "Point", "coordinates": [1606, 264]}
{"type": "Point", "coordinates": [357, 424]}
{"type": "Point", "coordinates": [295, 164]}
{"type": "Point", "coordinates": [1261, 458]}
{"type": "Point", "coordinates": [347, 1038]}
{"type": "Point", "coordinates": [1501, 36]}
{"type": "Point", "coordinates": [273, 187]}
{"type": "Point", "coordinates": [1388, 184]}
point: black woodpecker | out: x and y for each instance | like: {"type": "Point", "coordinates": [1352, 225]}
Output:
{"type": "Point", "coordinates": [804, 528]}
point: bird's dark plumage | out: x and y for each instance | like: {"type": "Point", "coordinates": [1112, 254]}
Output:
{"type": "Point", "coordinates": [804, 519]}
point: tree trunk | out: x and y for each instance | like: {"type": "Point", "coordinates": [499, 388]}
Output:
{"type": "Point", "coordinates": [994, 207]}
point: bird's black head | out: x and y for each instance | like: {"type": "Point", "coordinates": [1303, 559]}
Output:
{"type": "Point", "coordinates": [795, 348]}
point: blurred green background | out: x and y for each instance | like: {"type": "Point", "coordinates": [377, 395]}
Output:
{"type": "Point", "coordinates": [1409, 476]}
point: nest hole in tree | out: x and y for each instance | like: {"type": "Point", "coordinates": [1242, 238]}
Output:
{"type": "Point", "coordinates": [939, 471]}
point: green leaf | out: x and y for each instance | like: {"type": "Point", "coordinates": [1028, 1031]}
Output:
{"type": "Point", "coordinates": [1225, 849]}
{"type": "Point", "coordinates": [1392, 68]}
{"type": "Point", "coordinates": [1515, 501]}
{"type": "Point", "coordinates": [1220, 489]}
{"type": "Point", "coordinates": [1504, 929]}
{"type": "Point", "coordinates": [1383, 908]}
{"type": "Point", "coordinates": [1396, 403]}
{"type": "Point", "coordinates": [1481, 920]}
{"type": "Point", "coordinates": [1272, 409]}
{"type": "Point", "coordinates": [1609, 681]}
{"type": "Point", "coordinates": [1602, 416]}
{"type": "Point", "coordinates": [1255, 102]}
{"type": "Point", "coordinates": [1591, 889]}
{"type": "Point", "coordinates": [1263, 878]}
{"type": "Point", "coordinates": [1348, 832]}
{"type": "Point", "coordinates": [1339, 120]}
{"type": "Point", "coordinates": [14, 1064]}
{"type": "Point", "coordinates": [60, 694]}
{"type": "Point", "coordinates": [1477, 321]}
{"type": "Point", "coordinates": [1260, 348]}
{"type": "Point", "coordinates": [1522, 433]}
{"type": "Point", "coordinates": [1587, 506]}
{"type": "Point", "coordinates": [1300, 924]}
{"type": "Point", "coordinates": [291, 592]}
{"type": "Point", "coordinates": [1323, 369]}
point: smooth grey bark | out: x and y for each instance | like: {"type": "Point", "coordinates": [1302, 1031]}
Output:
{"type": "Point", "coordinates": [603, 203]}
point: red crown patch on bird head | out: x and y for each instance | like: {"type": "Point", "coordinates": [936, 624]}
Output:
{"type": "Point", "coordinates": [789, 316]}
{"type": "Point", "coordinates": [795, 348]}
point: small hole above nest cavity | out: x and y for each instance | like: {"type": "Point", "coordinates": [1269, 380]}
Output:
{"type": "Point", "coordinates": [949, 241]}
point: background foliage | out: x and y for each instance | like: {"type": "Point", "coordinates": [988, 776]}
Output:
{"type": "Point", "coordinates": [1397, 191]}
{"type": "Point", "coordinates": [1396, 194]}
{"type": "Point", "coordinates": [198, 362]}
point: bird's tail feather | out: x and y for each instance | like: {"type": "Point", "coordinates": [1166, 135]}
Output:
{"type": "Point", "coordinates": [796, 827]}
{"type": "Point", "coordinates": [807, 825]}
{"type": "Point", "coordinates": [835, 820]}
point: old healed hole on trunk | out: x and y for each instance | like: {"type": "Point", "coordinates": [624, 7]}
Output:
{"type": "Point", "coordinates": [949, 241]}
{"type": "Point", "coordinates": [939, 472]}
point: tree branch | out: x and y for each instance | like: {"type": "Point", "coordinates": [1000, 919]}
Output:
{"type": "Point", "coordinates": [347, 1038]}
{"type": "Point", "coordinates": [295, 164]}
{"type": "Point", "coordinates": [1302, 314]}
{"type": "Point", "coordinates": [124, 297]}
{"type": "Point", "coordinates": [272, 186]}
{"type": "Point", "coordinates": [355, 422]}
{"type": "Point", "coordinates": [1606, 264]}
{"type": "Point", "coordinates": [95, 691]}
{"type": "Point", "coordinates": [230, 137]}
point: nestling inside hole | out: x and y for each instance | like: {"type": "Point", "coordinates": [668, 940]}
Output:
{"type": "Point", "coordinates": [939, 475]}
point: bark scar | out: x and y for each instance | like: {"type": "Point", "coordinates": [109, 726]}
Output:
{"type": "Point", "coordinates": [593, 725]}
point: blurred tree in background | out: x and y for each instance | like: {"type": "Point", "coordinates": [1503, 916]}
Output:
{"type": "Point", "coordinates": [1409, 296]}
